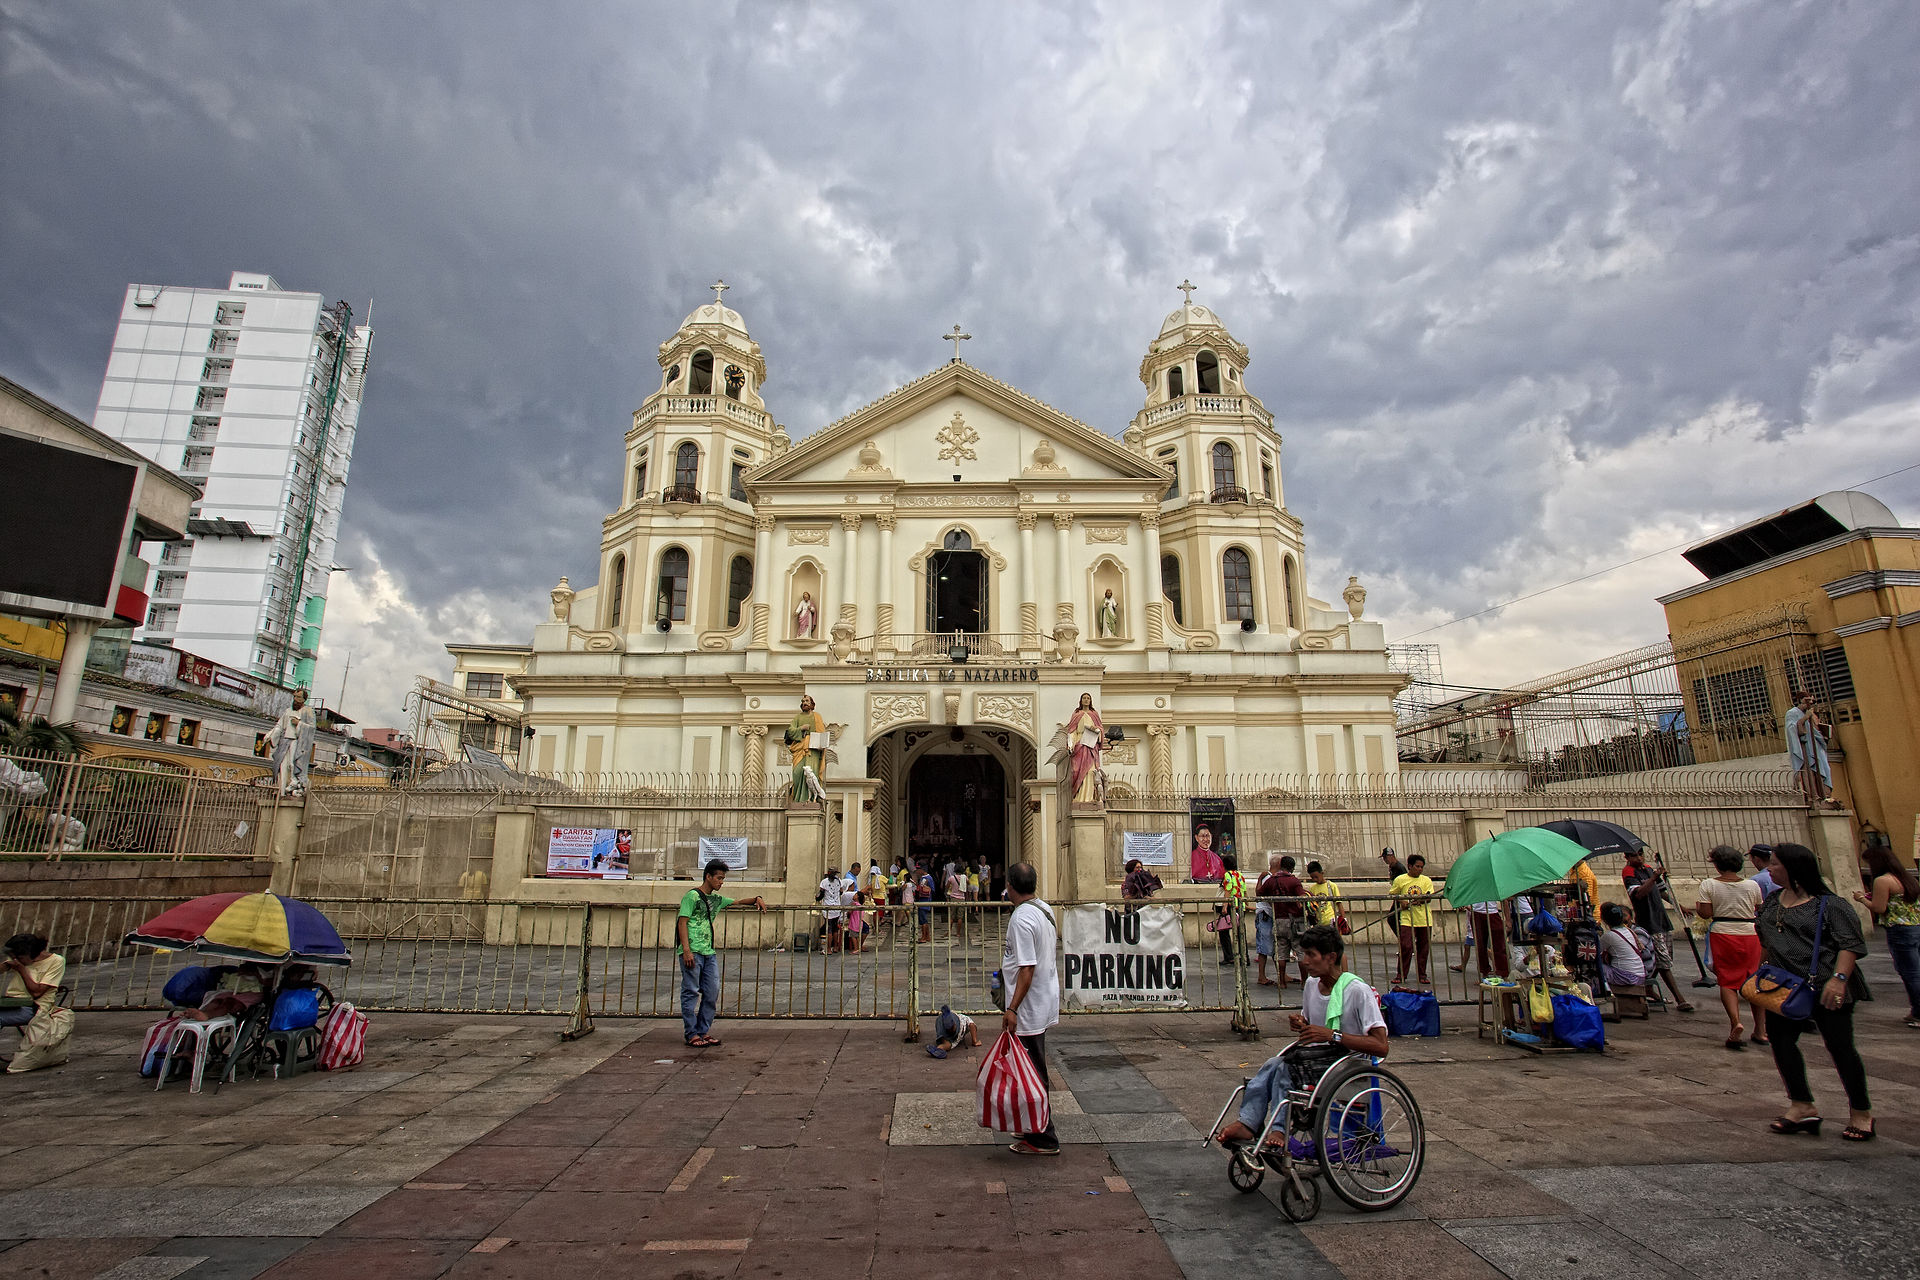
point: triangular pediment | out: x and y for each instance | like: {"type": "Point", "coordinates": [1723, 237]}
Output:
{"type": "Point", "coordinates": [956, 420]}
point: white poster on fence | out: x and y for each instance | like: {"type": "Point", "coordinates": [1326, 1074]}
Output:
{"type": "Point", "coordinates": [1115, 958]}
{"type": "Point", "coordinates": [1153, 848]}
{"type": "Point", "coordinates": [597, 853]}
{"type": "Point", "coordinates": [731, 850]}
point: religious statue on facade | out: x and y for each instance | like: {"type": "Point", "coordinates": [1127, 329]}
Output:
{"type": "Point", "coordinates": [1084, 744]}
{"type": "Point", "coordinates": [806, 739]}
{"type": "Point", "coordinates": [291, 739]}
{"type": "Point", "coordinates": [1107, 618]}
{"type": "Point", "coordinates": [805, 616]}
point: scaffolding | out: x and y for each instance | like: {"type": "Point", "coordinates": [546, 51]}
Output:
{"type": "Point", "coordinates": [1420, 663]}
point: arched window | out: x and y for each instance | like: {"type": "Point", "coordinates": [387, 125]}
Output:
{"type": "Point", "coordinates": [686, 472]}
{"type": "Point", "coordinates": [1286, 576]}
{"type": "Point", "coordinates": [1266, 478]}
{"type": "Point", "coordinates": [670, 599]}
{"type": "Point", "coordinates": [739, 587]}
{"type": "Point", "coordinates": [673, 376]}
{"type": "Point", "coordinates": [1170, 587]}
{"type": "Point", "coordinates": [1206, 367]}
{"type": "Point", "coordinates": [1176, 383]}
{"type": "Point", "coordinates": [1171, 461]}
{"type": "Point", "coordinates": [702, 384]}
{"type": "Point", "coordinates": [640, 478]}
{"type": "Point", "coordinates": [1236, 579]}
{"type": "Point", "coordinates": [1225, 474]}
{"type": "Point", "coordinates": [619, 594]}
{"type": "Point", "coordinates": [957, 540]}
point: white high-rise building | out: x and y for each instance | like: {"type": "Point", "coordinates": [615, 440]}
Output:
{"type": "Point", "coordinates": [253, 392]}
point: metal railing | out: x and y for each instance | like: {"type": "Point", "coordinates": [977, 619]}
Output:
{"type": "Point", "coordinates": [680, 493]}
{"type": "Point", "coordinates": [916, 647]}
{"type": "Point", "coordinates": [133, 807]}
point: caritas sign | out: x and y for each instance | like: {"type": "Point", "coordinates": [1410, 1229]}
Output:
{"type": "Point", "coordinates": [1115, 958]}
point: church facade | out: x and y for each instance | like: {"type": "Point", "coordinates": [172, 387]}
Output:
{"type": "Point", "coordinates": [946, 571]}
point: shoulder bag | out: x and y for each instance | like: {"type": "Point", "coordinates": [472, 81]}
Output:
{"type": "Point", "coordinates": [1783, 992]}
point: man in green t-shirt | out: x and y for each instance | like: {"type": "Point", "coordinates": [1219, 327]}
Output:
{"type": "Point", "coordinates": [699, 966]}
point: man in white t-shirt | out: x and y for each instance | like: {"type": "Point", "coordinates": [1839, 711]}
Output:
{"type": "Point", "coordinates": [1033, 987]}
{"type": "Point", "coordinates": [830, 886]}
{"type": "Point", "coordinates": [1336, 1009]}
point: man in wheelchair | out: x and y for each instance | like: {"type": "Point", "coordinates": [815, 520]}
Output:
{"type": "Point", "coordinates": [1341, 1016]}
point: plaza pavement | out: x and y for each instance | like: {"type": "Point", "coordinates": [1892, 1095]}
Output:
{"type": "Point", "coordinates": [470, 1146]}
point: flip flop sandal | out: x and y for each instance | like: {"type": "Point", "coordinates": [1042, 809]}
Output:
{"type": "Point", "coordinates": [1852, 1134]}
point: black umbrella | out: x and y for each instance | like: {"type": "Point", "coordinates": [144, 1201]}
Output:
{"type": "Point", "coordinates": [1597, 837]}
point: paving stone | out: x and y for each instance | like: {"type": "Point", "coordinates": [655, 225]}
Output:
{"type": "Point", "coordinates": [94, 1212]}
{"type": "Point", "coordinates": [490, 1168]}
{"type": "Point", "coordinates": [1397, 1251]}
{"type": "Point", "coordinates": [435, 1215]}
{"type": "Point", "coordinates": [336, 1257]}
{"type": "Point", "coordinates": [148, 1164]}
{"type": "Point", "coordinates": [228, 1257]}
{"type": "Point", "coordinates": [68, 1259]}
{"type": "Point", "coordinates": [1561, 1251]}
{"type": "Point", "coordinates": [603, 1217]}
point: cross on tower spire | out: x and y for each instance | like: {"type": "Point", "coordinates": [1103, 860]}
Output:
{"type": "Point", "coordinates": [719, 287]}
{"type": "Point", "coordinates": [1187, 287]}
{"type": "Point", "coordinates": [956, 338]}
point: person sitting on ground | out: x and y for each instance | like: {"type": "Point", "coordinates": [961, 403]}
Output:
{"type": "Point", "coordinates": [1620, 961]}
{"type": "Point", "coordinates": [32, 975]}
{"type": "Point", "coordinates": [950, 1030]}
{"type": "Point", "coordinates": [1140, 883]}
{"type": "Point", "coordinates": [1336, 1009]}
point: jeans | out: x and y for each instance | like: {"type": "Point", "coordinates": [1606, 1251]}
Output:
{"type": "Point", "coordinates": [699, 993]}
{"type": "Point", "coordinates": [1903, 940]}
{"type": "Point", "coordinates": [1269, 1081]}
{"type": "Point", "coordinates": [1036, 1047]}
{"type": "Point", "coordinates": [16, 1017]}
{"type": "Point", "coordinates": [1836, 1028]}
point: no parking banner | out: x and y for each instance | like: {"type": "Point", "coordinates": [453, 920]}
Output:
{"type": "Point", "coordinates": [1119, 958]}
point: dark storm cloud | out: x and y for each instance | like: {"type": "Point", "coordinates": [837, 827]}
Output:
{"type": "Point", "coordinates": [1477, 252]}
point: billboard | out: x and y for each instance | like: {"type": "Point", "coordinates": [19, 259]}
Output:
{"type": "Point", "coordinates": [63, 522]}
{"type": "Point", "coordinates": [589, 853]}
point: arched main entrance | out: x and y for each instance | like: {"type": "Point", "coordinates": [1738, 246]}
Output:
{"type": "Point", "coordinates": [952, 793]}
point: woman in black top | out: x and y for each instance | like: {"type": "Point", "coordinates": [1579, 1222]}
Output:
{"type": "Point", "coordinates": [1786, 923]}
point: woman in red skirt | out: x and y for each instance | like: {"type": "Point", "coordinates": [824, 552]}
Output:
{"type": "Point", "coordinates": [1731, 901]}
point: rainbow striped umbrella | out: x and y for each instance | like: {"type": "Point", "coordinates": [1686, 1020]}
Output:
{"type": "Point", "coordinates": [262, 927]}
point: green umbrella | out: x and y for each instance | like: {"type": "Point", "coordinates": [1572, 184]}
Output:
{"type": "Point", "coordinates": [1509, 863]}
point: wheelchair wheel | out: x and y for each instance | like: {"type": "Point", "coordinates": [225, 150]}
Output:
{"type": "Point", "coordinates": [1245, 1172]}
{"type": "Point", "coordinates": [1294, 1205]}
{"type": "Point", "coordinates": [1370, 1137]}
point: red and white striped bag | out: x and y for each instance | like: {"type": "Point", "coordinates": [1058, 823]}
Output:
{"type": "Point", "coordinates": [343, 1043]}
{"type": "Point", "coordinates": [157, 1036]}
{"type": "Point", "coordinates": [1012, 1099]}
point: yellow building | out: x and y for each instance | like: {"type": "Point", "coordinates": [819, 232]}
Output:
{"type": "Point", "coordinates": [1821, 597]}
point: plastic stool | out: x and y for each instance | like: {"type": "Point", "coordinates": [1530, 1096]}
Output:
{"type": "Point", "coordinates": [295, 1051]}
{"type": "Point", "coordinates": [203, 1033]}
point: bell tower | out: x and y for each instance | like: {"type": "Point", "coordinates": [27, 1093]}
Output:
{"type": "Point", "coordinates": [677, 556]}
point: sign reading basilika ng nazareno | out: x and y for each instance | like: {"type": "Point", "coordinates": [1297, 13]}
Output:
{"type": "Point", "coordinates": [953, 675]}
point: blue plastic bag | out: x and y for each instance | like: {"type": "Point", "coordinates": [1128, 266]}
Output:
{"type": "Point", "coordinates": [189, 987]}
{"type": "Point", "coordinates": [1577, 1023]}
{"type": "Point", "coordinates": [295, 1009]}
{"type": "Point", "coordinates": [1411, 1013]}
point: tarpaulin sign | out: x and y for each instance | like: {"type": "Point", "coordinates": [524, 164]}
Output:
{"type": "Point", "coordinates": [1116, 958]}
{"type": "Point", "coordinates": [731, 850]}
{"type": "Point", "coordinates": [1153, 848]}
{"type": "Point", "coordinates": [598, 853]}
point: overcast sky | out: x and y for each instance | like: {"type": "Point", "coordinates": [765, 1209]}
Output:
{"type": "Point", "coordinates": [1531, 289]}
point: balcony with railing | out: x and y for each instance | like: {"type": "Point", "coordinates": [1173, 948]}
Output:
{"type": "Point", "coordinates": [223, 343]}
{"type": "Point", "coordinates": [680, 493]}
{"type": "Point", "coordinates": [196, 462]}
{"type": "Point", "coordinates": [696, 406]}
{"type": "Point", "coordinates": [917, 648]}
{"type": "Point", "coordinates": [214, 398]}
{"type": "Point", "coordinates": [217, 371]}
{"type": "Point", "coordinates": [1228, 493]}
{"type": "Point", "coordinates": [1206, 405]}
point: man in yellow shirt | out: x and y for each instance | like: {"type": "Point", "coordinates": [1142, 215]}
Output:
{"type": "Point", "coordinates": [1412, 894]}
{"type": "Point", "coordinates": [1318, 886]}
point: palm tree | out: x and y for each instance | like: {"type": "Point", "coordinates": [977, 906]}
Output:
{"type": "Point", "coordinates": [37, 737]}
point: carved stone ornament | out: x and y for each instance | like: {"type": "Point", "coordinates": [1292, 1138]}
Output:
{"type": "Point", "coordinates": [1027, 520]}
{"type": "Point", "coordinates": [869, 458]}
{"type": "Point", "coordinates": [1066, 639]}
{"type": "Point", "coordinates": [807, 535]}
{"type": "Point", "coordinates": [884, 710]}
{"type": "Point", "coordinates": [1356, 597]}
{"type": "Point", "coordinates": [842, 645]}
{"type": "Point", "coordinates": [763, 524]}
{"type": "Point", "coordinates": [1107, 533]}
{"type": "Point", "coordinates": [951, 500]}
{"type": "Point", "coordinates": [1045, 461]}
{"type": "Point", "coordinates": [1126, 752]}
{"type": "Point", "coordinates": [850, 521]}
{"type": "Point", "coordinates": [602, 642]}
{"type": "Point", "coordinates": [1012, 709]}
{"type": "Point", "coordinates": [951, 701]}
{"type": "Point", "coordinates": [956, 440]}
{"type": "Point", "coordinates": [562, 597]}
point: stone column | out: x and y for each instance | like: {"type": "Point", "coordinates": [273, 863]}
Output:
{"type": "Point", "coordinates": [1830, 836]}
{"type": "Point", "coordinates": [1160, 757]}
{"type": "Point", "coordinates": [763, 581]}
{"type": "Point", "coordinates": [883, 619]}
{"type": "Point", "coordinates": [1156, 627]}
{"type": "Point", "coordinates": [849, 570]}
{"type": "Point", "coordinates": [1063, 569]}
{"type": "Point", "coordinates": [753, 767]}
{"type": "Point", "coordinates": [73, 661]}
{"type": "Point", "coordinates": [806, 853]}
{"type": "Point", "coordinates": [1087, 828]}
{"type": "Point", "coordinates": [1029, 588]}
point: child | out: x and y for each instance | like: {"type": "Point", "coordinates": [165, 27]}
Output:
{"type": "Point", "coordinates": [949, 1030]}
{"type": "Point", "coordinates": [856, 898]}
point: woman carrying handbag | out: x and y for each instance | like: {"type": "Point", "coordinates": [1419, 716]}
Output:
{"type": "Point", "coordinates": [1812, 945]}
